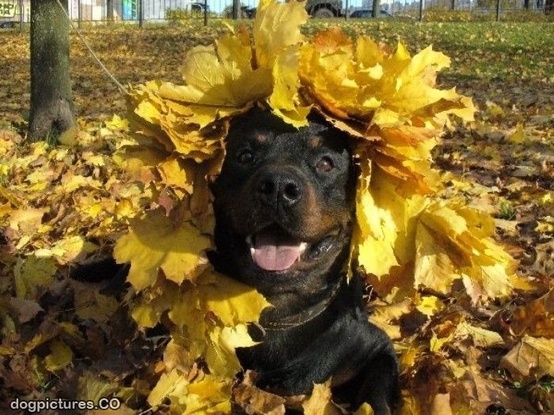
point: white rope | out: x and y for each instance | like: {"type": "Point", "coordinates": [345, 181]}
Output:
{"type": "Point", "coordinates": [112, 77]}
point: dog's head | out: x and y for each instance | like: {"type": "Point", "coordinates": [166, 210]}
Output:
{"type": "Point", "coordinates": [284, 204]}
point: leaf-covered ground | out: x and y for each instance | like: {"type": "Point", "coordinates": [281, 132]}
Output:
{"type": "Point", "coordinates": [69, 338]}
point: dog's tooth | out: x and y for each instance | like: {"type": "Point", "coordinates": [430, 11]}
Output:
{"type": "Point", "coordinates": [303, 246]}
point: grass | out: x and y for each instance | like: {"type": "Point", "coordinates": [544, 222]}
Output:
{"type": "Point", "coordinates": [507, 54]}
{"type": "Point", "coordinates": [484, 48]}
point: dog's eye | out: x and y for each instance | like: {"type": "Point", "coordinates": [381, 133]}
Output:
{"type": "Point", "coordinates": [245, 156]}
{"type": "Point", "coordinates": [325, 164]}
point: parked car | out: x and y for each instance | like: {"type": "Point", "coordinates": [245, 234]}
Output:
{"type": "Point", "coordinates": [245, 12]}
{"type": "Point", "coordinates": [249, 12]}
{"type": "Point", "coordinates": [367, 13]}
{"type": "Point", "coordinates": [324, 9]}
{"type": "Point", "coordinates": [9, 25]}
{"type": "Point", "coordinates": [198, 7]}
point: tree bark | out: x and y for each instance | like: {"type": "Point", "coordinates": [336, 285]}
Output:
{"type": "Point", "coordinates": [376, 12]}
{"type": "Point", "coordinates": [109, 11]}
{"type": "Point", "coordinates": [51, 97]}
{"type": "Point", "coordinates": [236, 11]}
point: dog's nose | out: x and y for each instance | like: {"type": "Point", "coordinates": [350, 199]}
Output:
{"type": "Point", "coordinates": [274, 188]}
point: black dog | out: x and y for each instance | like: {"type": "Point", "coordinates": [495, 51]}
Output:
{"type": "Point", "coordinates": [284, 206]}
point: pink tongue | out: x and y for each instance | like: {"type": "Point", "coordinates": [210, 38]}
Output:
{"type": "Point", "coordinates": [273, 255]}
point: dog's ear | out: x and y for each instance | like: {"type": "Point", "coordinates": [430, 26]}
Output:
{"type": "Point", "coordinates": [317, 118]}
{"type": "Point", "coordinates": [216, 260]}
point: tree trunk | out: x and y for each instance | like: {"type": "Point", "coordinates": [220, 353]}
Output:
{"type": "Point", "coordinates": [549, 7]}
{"type": "Point", "coordinates": [376, 8]}
{"type": "Point", "coordinates": [236, 12]}
{"type": "Point", "coordinates": [51, 98]}
{"type": "Point", "coordinates": [109, 11]}
{"type": "Point", "coordinates": [140, 6]}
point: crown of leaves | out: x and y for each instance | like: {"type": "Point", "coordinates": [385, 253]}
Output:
{"type": "Point", "coordinates": [387, 100]}
{"type": "Point", "coordinates": [406, 236]}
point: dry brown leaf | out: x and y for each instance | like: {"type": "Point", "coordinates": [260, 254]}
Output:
{"type": "Point", "coordinates": [535, 318]}
{"type": "Point", "coordinates": [256, 401]}
{"type": "Point", "coordinates": [483, 392]}
{"type": "Point", "coordinates": [320, 403]}
{"type": "Point", "coordinates": [441, 405]}
{"type": "Point", "coordinates": [532, 358]}
{"type": "Point", "coordinates": [24, 310]}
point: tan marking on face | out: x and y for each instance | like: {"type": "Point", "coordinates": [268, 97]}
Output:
{"type": "Point", "coordinates": [320, 220]}
{"type": "Point", "coordinates": [315, 141]}
{"type": "Point", "coordinates": [261, 138]}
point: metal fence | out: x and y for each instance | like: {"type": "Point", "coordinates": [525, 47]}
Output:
{"type": "Point", "coordinates": [139, 11]}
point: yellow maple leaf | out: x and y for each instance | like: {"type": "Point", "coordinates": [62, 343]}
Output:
{"type": "Point", "coordinates": [220, 354]}
{"type": "Point", "coordinates": [224, 79]}
{"type": "Point", "coordinates": [364, 409]}
{"type": "Point", "coordinates": [207, 396]}
{"type": "Point", "coordinates": [231, 301]}
{"type": "Point", "coordinates": [362, 80]}
{"type": "Point", "coordinates": [434, 267]}
{"type": "Point", "coordinates": [454, 242]}
{"type": "Point", "coordinates": [60, 356]}
{"type": "Point", "coordinates": [146, 315]}
{"type": "Point", "coordinates": [154, 242]}
{"type": "Point", "coordinates": [32, 274]}
{"type": "Point", "coordinates": [320, 401]}
{"type": "Point", "coordinates": [26, 221]}
{"type": "Point", "coordinates": [213, 314]}
{"type": "Point", "coordinates": [429, 305]}
{"type": "Point", "coordinates": [221, 75]}
{"type": "Point", "coordinates": [276, 27]}
{"type": "Point", "coordinates": [384, 233]}
{"type": "Point", "coordinates": [414, 85]}
{"type": "Point", "coordinates": [117, 123]}
{"type": "Point", "coordinates": [326, 70]}
{"type": "Point", "coordinates": [479, 336]}
{"type": "Point", "coordinates": [148, 308]}
{"type": "Point", "coordinates": [284, 99]}
{"type": "Point", "coordinates": [187, 129]}
{"type": "Point", "coordinates": [176, 172]}
{"type": "Point", "coordinates": [436, 343]}
{"type": "Point", "coordinates": [276, 37]}
{"type": "Point", "coordinates": [173, 383]}
{"type": "Point", "coordinates": [69, 248]}
{"type": "Point", "coordinates": [91, 387]}
{"type": "Point", "coordinates": [124, 209]}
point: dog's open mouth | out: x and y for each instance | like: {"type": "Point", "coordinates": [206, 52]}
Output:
{"type": "Point", "coordinates": [273, 249]}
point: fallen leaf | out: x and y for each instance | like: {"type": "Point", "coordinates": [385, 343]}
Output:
{"type": "Point", "coordinates": [319, 402]}
{"type": "Point", "coordinates": [60, 356]}
{"type": "Point", "coordinates": [155, 243]}
{"type": "Point", "coordinates": [532, 358]}
{"type": "Point", "coordinates": [256, 401]}
{"type": "Point", "coordinates": [24, 310]}
{"type": "Point", "coordinates": [33, 274]}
